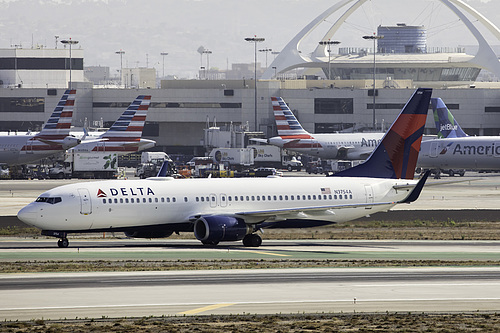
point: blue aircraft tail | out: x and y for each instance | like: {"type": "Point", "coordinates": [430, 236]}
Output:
{"type": "Point", "coordinates": [446, 125]}
{"type": "Point", "coordinates": [396, 155]}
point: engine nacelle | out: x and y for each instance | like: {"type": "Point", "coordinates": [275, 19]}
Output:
{"type": "Point", "coordinates": [213, 229]}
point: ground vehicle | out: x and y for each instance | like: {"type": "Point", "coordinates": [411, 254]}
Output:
{"type": "Point", "coordinates": [275, 157]}
{"type": "Point", "coordinates": [151, 163]}
{"type": "Point", "coordinates": [86, 165]}
{"type": "Point", "coordinates": [238, 158]}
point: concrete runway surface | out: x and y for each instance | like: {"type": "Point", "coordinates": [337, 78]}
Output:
{"type": "Point", "coordinates": [94, 295]}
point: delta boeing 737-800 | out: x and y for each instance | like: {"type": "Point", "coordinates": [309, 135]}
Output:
{"type": "Point", "coordinates": [221, 209]}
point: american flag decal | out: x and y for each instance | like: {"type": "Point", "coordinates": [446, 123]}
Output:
{"type": "Point", "coordinates": [326, 190]}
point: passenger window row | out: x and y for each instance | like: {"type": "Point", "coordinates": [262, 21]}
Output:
{"type": "Point", "coordinates": [229, 198]}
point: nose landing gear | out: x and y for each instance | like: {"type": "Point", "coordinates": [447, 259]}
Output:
{"type": "Point", "coordinates": [63, 242]}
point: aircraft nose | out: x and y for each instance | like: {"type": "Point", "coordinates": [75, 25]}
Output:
{"type": "Point", "coordinates": [28, 215]}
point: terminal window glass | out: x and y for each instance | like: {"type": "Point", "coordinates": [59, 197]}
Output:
{"type": "Point", "coordinates": [22, 104]}
{"type": "Point", "coordinates": [333, 106]}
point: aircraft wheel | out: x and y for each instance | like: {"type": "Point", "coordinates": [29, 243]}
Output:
{"type": "Point", "coordinates": [252, 240]}
{"type": "Point", "coordinates": [63, 242]}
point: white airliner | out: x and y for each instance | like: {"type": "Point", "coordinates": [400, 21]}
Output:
{"type": "Point", "coordinates": [54, 137]}
{"type": "Point", "coordinates": [234, 209]}
{"type": "Point", "coordinates": [124, 136]}
{"type": "Point", "coordinates": [342, 146]}
{"type": "Point", "coordinates": [455, 149]}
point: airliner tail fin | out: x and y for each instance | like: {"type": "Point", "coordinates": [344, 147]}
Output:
{"type": "Point", "coordinates": [59, 123]}
{"type": "Point", "coordinates": [286, 122]}
{"type": "Point", "coordinates": [396, 155]}
{"type": "Point", "coordinates": [446, 125]}
{"type": "Point", "coordinates": [131, 123]}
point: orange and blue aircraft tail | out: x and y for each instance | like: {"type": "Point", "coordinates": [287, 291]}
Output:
{"type": "Point", "coordinates": [396, 155]}
{"type": "Point", "coordinates": [446, 125]}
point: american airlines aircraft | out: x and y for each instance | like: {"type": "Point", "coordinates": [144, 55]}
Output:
{"type": "Point", "coordinates": [54, 137]}
{"type": "Point", "coordinates": [342, 146]}
{"type": "Point", "coordinates": [455, 149]}
{"type": "Point", "coordinates": [234, 209]}
{"type": "Point", "coordinates": [124, 136]}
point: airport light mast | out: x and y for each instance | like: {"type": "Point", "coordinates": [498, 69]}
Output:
{"type": "Point", "coordinates": [329, 43]}
{"type": "Point", "coordinates": [374, 37]}
{"type": "Point", "coordinates": [163, 54]}
{"type": "Point", "coordinates": [69, 42]}
{"type": "Point", "coordinates": [255, 40]}
{"type": "Point", "coordinates": [121, 53]}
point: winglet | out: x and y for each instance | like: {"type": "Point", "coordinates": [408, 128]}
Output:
{"type": "Point", "coordinates": [418, 189]}
{"type": "Point", "coordinates": [163, 170]}
{"type": "Point", "coordinates": [396, 155]}
{"type": "Point", "coordinates": [59, 123]}
{"type": "Point", "coordinates": [446, 125]}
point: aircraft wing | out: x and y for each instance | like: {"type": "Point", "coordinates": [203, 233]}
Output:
{"type": "Point", "coordinates": [259, 140]}
{"type": "Point", "coordinates": [277, 214]}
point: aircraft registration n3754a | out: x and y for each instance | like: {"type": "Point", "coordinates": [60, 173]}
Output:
{"type": "Point", "coordinates": [234, 209]}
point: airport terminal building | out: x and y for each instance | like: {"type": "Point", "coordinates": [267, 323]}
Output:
{"type": "Point", "coordinates": [333, 93]}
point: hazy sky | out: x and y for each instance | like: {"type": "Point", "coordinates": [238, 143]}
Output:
{"type": "Point", "coordinates": [145, 28]}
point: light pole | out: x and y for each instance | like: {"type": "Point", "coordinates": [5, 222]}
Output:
{"type": "Point", "coordinates": [329, 43]}
{"type": "Point", "coordinates": [208, 53]}
{"type": "Point", "coordinates": [267, 51]}
{"type": "Point", "coordinates": [374, 37]}
{"type": "Point", "coordinates": [121, 53]}
{"type": "Point", "coordinates": [255, 40]}
{"type": "Point", "coordinates": [70, 42]}
{"type": "Point", "coordinates": [163, 54]}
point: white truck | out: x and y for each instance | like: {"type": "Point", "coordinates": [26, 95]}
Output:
{"type": "Point", "coordinates": [274, 157]}
{"type": "Point", "coordinates": [151, 163]}
{"type": "Point", "coordinates": [96, 164]}
{"type": "Point", "coordinates": [238, 158]}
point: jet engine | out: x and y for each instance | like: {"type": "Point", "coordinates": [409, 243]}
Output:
{"type": "Point", "coordinates": [213, 229]}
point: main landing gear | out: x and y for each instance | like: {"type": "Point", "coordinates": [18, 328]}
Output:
{"type": "Point", "coordinates": [252, 240]}
{"type": "Point", "coordinates": [63, 242]}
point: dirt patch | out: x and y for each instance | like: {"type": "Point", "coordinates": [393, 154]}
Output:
{"type": "Point", "coordinates": [384, 322]}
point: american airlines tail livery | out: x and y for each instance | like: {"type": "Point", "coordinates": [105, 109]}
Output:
{"type": "Point", "coordinates": [455, 149]}
{"type": "Point", "coordinates": [292, 136]}
{"type": "Point", "coordinates": [54, 137]}
{"type": "Point", "coordinates": [225, 209]}
{"type": "Point", "coordinates": [124, 136]}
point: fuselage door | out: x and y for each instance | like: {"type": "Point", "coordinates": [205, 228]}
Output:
{"type": "Point", "coordinates": [369, 194]}
{"type": "Point", "coordinates": [29, 146]}
{"type": "Point", "coordinates": [434, 149]}
{"type": "Point", "coordinates": [85, 202]}
{"type": "Point", "coordinates": [213, 200]}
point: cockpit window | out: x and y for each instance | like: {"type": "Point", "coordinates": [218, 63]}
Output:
{"type": "Point", "coordinates": [49, 200]}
